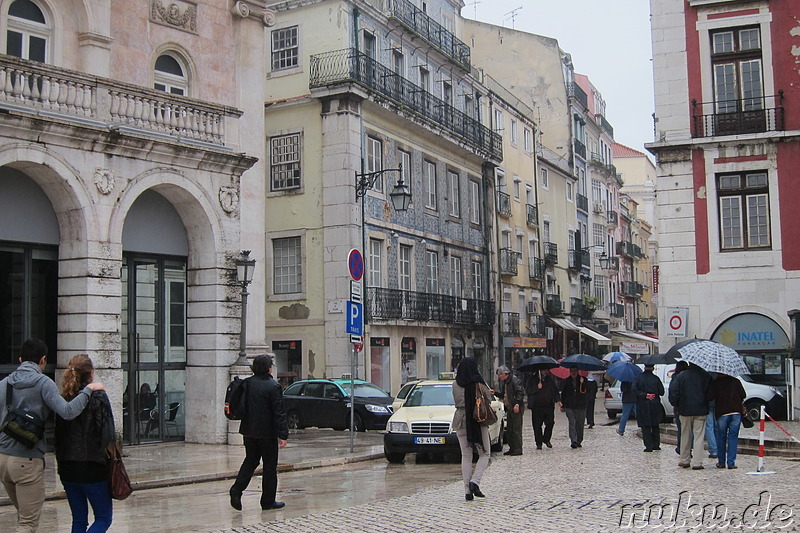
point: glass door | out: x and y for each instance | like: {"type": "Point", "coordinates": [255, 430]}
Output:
{"type": "Point", "coordinates": [153, 348]}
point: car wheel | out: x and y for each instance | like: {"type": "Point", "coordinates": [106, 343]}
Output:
{"type": "Point", "coordinates": [358, 423]}
{"type": "Point", "coordinates": [753, 408]}
{"type": "Point", "coordinates": [394, 457]}
{"type": "Point", "coordinates": [293, 420]}
{"type": "Point", "coordinates": [612, 414]}
{"type": "Point", "coordinates": [498, 446]}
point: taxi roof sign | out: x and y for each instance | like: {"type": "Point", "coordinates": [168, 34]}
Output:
{"type": "Point", "coordinates": [447, 375]}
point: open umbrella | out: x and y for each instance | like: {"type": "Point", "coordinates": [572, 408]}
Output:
{"type": "Point", "coordinates": [581, 361]}
{"type": "Point", "coordinates": [537, 362]}
{"type": "Point", "coordinates": [656, 359]}
{"type": "Point", "coordinates": [673, 350]}
{"type": "Point", "coordinates": [623, 371]}
{"type": "Point", "coordinates": [714, 357]}
{"type": "Point", "coordinates": [613, 357]}
{"type": "Point", "coordinates": [563, 372]}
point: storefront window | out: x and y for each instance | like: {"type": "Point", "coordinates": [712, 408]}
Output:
{"type": "Point", "coordinates": [761, 342]}
{"type": "Point", "coordinates": [408, 354]}
{"type": "Point", "coordinates": [380, 362]}
{"type": "Point", "coordinates": [434, 357]}
{"type": "Point", "coordinates": [288, 361]}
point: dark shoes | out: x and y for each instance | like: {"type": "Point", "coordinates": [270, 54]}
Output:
{"type": "Point", "coordinates": [275, 505]}
{"type": "Point", "coordinates": [574, 445]}
{"type": "Point", "coordinates": [469, 497]}
{"type": "Point", "coordinates": [648, 450]}
{"type": "Point", "coordinates": [236, 501]}
{"type": "Point", "coordinates": [720, 466]}
{"type": "Point", "coordinates": [712, 456]}
{"type": "Point", "coordinates": [538, 446]}
{"type": "Point", "coordinates": [510, 452]}
{"type": "Point", "coordinates": [476, 490]}
{"type": "Point", "coordinates": [701, 467]}
{"type": "Point", "coordinates": [684, 465]}
{"type": "Point", "coordinates": [548, 444]}
{"type": "Point", "coordinates": [657, 448]}
{"type": "Point", "coordinates": [732, 467]}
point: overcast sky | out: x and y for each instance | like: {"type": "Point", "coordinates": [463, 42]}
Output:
{"type": "Point", "coordinates": [609, 41]}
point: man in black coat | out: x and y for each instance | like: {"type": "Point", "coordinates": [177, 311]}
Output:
{"type": "Point", "coordinates": [573, 403]}
{"type": "Point", "coordinates": [513, 396]}
{"type": "Point", "coordinates": [265, 430]}
{"type": "Point", "coordinates": [649, 412]}
{"type": "Point", "coordinates": [543, 396]}
{"type": "Point", "coordinates": [687, 394]}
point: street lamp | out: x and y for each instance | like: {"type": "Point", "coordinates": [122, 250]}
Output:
{"type": "Point", "coordinates": [245, 268]}
{"type": "Point", "coordinates": [400, 195]}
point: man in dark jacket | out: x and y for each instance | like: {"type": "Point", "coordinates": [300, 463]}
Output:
{"type": "Point", "coordinates": [687, 393]}
{"type": "Point", "coordinates": [649, 413]}
{"type": "Point", "coordinates": [22, 468]}
{"type": "Point", "coordinates": [513, 396]}
{"type": "Point", "coordinates": [542, 398]}
{"type": "Point", "coordinates": [265, 430]}
{"type": "Point", "coordinates": [573, 403]}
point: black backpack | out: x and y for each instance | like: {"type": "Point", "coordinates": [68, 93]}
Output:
{"type": "Point", "coordinates": [235, 399]}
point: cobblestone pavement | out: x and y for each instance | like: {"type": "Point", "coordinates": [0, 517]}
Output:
{"type": "Point", "coordinates": [607, 485]}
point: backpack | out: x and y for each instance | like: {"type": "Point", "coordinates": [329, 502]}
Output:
{"type": "Point", "coordinates": [235, 399]}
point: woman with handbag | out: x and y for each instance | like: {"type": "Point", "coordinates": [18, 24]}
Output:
{"type": "Point", "coordinates": [468, 387]}
{"type": "Point", "coordinates": [81, 451]}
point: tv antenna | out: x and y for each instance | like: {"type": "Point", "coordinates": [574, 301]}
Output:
{"type": "Point", "coordinates": [474, 4]}
{"type": "Point", "coordinates": [512, 15]}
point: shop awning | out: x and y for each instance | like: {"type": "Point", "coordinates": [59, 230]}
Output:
{"type": "Point", "coordinates": [593, 334]}
{"type": "Point", "coordinates": [563, 323]}
{"type": "Point", "coordinates": [635, 336]}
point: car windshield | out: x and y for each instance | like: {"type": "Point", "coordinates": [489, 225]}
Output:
{"type": "Point", "coordinates": [430, 395]}
{"type": "Point", "coordinates": [366, 390]}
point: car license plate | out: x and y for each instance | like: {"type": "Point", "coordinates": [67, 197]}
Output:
{"type": "Point", "coordinates": [428, 440]}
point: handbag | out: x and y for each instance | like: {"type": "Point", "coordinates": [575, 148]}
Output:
{"type": "Point", "coordinates": [483, 413]}
{"type": "Point", "coordinates": [747, 422]}
{"type": "Point", "coordinates": [22, 426]}
{"type": "Point", "coordinates": [117, 475]}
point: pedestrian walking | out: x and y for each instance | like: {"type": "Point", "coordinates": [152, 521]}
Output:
{"type": "Point", "coordinates": [81, 445]}
{"type": "Point", "coordinates": [591, 395]}
{"type": "Point", "coordinates": [687, 393]}
{"type": "Point", "coordinates": [649, 412]}
{"type": "Point", "coordinates": [471, 435]}
{"type": "Point", "coordinates": [513, 396]}
{"type": "Point", "coordinates": [728, 394]}
{"type": "Point", "coordinates": [265, 431]}
{"type": "Point", "coordinates": [543, 396]}
{"type": "Point", "coordinates": [628, 405]}
{"type": "Point", "coordinates": [573, 403]}
{"type": "Point", "coordinates": [22, 468]}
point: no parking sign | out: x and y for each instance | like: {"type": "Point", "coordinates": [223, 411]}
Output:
{"type": "Point", "coordinates": [676, 321]}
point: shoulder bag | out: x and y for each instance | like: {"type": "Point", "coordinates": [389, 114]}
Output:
{"type": "Point", "coordinates": [117, 475]}
{"type": "Point", "coordinates": [747, 422]}
{"type": "Point", "coordinates": [483, 413]}
{"type": "Point", "coordinates": [22, 426]}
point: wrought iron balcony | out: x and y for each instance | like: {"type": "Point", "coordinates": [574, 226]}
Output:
{"type": "Point", "coordinates": [385, 304]}
{"type": "Point", "coordinates": [434, 33]}
{"type": "Point", "coordinates": [612, 219]}
{"type": "Point", "coordinates": [554, 306]}
{"type": "Point", "coordinates": [532, 215]}
{"type": "Point", "coordinates": [582, 202]}
{"type": "Point", "coordinates": [349, 66]}
{"type": "Point", "coordinates": [536, 325]}
{"type": "Point", "coordinates": [628, 249]}
{"type": "Point", "coordinates": [577, 307]}
{"type": "Point", "coordinates": [616, 310]}
{"type": "Point", "coordinates": [735, 117]}
{"type": "Point", "coordinates": [580, 148]}
{"type": "Point", "coordinates": [579, 94]}
{"type": "Point", "coordinates": [631, 289]}
{"type": "Point", "coordinates": [503, 204]}
{"type": "Point", "coordinates": [509, 261]}
{"type": "Point", "coordinates": [578, 259]}
{"type": "Point", "coordinates": [55, 93]}
{"type": "Point", "coordinates": [601, 120]}
{"type": "Point", "coordinates": [509, 324]}
{"type": "Point", "coordinates": [536, 269]}
{"type": "Point", "coordinates": [550, 253]}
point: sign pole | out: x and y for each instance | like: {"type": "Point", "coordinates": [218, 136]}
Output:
{"type": "Point", "coordinates": [352, 396]}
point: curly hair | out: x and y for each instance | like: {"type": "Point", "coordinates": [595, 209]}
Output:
{"type": "Point", "coordinates": [77, 375]}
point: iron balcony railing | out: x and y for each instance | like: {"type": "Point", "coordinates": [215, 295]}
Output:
{"type": "Point", "coordinates": [536, 325]}
{"type": "Point", "coordinates": [612, 219]}
{"type": "Point", "coordinates": [398, 304]}
{"type": "Point", "coordinates": [59, 94]}
{"type": "Point", "coordinates": [349, 66]}
{"type": "Point", "coordinates": [631, 288]}
{"type": "Point", "coordinates": [503, 204]}
{"type": "Point", "coordinates": [578, 259]}
{"type": "Point", "coordinates": [434, 33]}
{"type": "Point", "coordinates": [509, 324]}
{"type": "Point", "coordinates": [616, 310]}
{"type": "Point", "coordinates": [580, 148]}
{"type": "Point", "coordinates": [601, 120]}
{"type": "Point", "coordinates": [509, 261]}
{"type": "Point", "coordinates": [628, 249]}
{"type": "Point", "coordinates": [532, 215]}
{"type": "Point", "coordinates": [551, 253]}
{"type": "Point", "coordinates": [735, 117]}
{"type": "Point", "coordinates": [577, 307]}
{"type": "Point", "coordinates": [554, 305]}
{"type": "Point", "coordinates": [579, 94]}
{"type": "Point", "coordinates": [536, 269]}
{"type": "Point", "coordinates": [582, 202]}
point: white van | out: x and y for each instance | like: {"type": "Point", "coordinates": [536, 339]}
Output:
{"type": "Point", "coordinates": [757, 395]}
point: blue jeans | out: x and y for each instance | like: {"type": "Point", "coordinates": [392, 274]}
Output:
{"type": "Point", "coordinates": [711, 437]}
{"type": "Point", "coordinates": [99, 496]}
{"type": "Point", "coordinates": [728, 438]}
{"type": "Point", "coordinates": [627, 409]}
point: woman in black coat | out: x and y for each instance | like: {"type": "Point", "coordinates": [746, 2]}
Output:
{"type": "Point", "coordinates": [649, 411]}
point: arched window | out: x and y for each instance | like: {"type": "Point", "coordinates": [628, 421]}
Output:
{"type": "Point", "coordinates": [28, 31]}
{"type": "Point", "coordinates": [170, 75]}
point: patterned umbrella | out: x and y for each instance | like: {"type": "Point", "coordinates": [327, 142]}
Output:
{"type": "Point", "coordinates": [714, 357]}
{"type": "Point", "coordinates": [537, 362]}
{"type": "Point", "coordinates": [581, 361]}
{"type": "Point", "coordinates": [673, 350]}
{"type": "Point", "coordinates": [624, 371]}
{"type": "Point", "coordinates": [613, 357]}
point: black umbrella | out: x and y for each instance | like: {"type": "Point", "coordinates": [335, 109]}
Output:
{"type": "Point", "coordinates": [537, 362]}
{"type": "Point", "coordinates": [656, 359]}
{"type": "Point", "coordinates": [581, 361]}
{"type": "Point", "coordinates": [673, 351]}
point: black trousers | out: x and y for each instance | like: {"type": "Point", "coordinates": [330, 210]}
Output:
{"type": "Point", "coordinates": [256, 451]}
{"type": "Point", "coordinates": [651, 437]}
{"type": "Point", "coordinates": [543, 416]}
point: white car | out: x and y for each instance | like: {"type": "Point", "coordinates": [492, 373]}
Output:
{"type": "Point", "coordinates": [424, 423]}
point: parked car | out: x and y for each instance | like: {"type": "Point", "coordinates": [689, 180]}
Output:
{"type": "Point", "coordinates": [424, 422]}
{"type": "Point", "coordinates": [325, 403]}
{"type": "Point", "coordinates": [758, 394]}
{"type": "Point", "coordinates": [403, 394]}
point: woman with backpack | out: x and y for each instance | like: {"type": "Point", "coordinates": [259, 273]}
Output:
{"type": "Point", "coordinates": [81, 451]}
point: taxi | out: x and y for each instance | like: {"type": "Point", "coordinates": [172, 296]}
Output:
{"type": "Point", "coordinates": [423, 423]}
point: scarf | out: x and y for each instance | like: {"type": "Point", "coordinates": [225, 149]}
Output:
{"type": "Point", "coordinates": [467, 376]}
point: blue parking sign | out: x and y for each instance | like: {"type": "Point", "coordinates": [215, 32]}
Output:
{"type": "Point", "coordinates": [355, 318]}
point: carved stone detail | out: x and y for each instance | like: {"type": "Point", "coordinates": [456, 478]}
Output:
{"type": "Point", "coordinates": [241, 9]}
{"type": "Point", "coordinates": [270, 18]}
{"type": "Point", "coordinates": [228, 198]}
{"type": "Point", "coordinates": [179, 14]}
{"type": "Point", "coordinates": [104, 180]}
